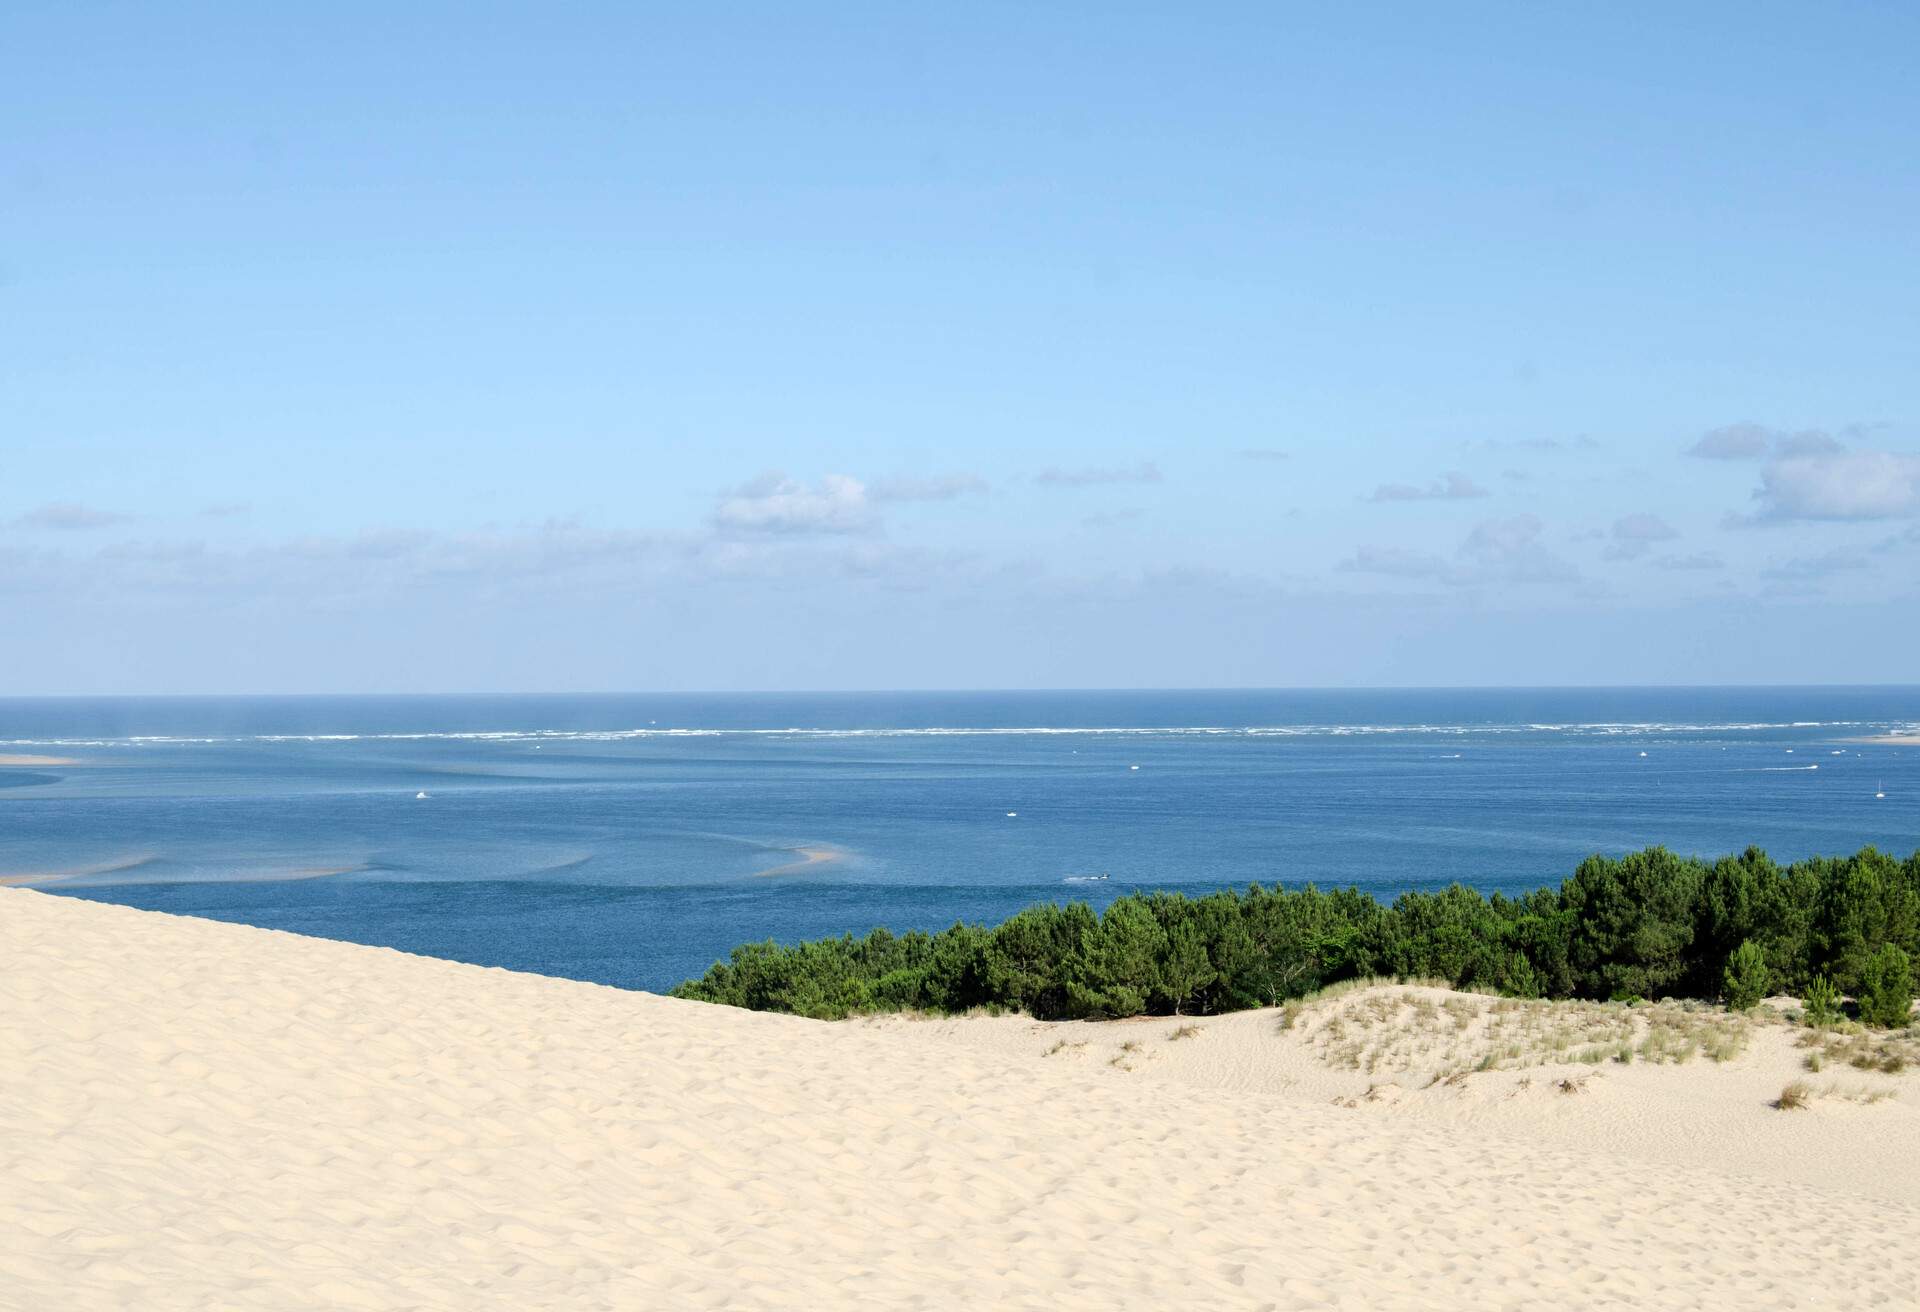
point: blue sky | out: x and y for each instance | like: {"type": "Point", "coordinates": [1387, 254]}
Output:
{"type": "Point", "coordinates": [397, 348]}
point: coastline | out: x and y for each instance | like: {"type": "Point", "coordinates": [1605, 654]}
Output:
{"type": "Point", "coordinates": [325, 1124]}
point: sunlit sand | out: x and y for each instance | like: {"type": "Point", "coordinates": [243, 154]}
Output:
{"type": "Point", "coordinates": [197, 1114]}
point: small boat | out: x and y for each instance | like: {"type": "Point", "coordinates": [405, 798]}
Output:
{"type": "Point", "coordinates": [1643, 753]}
{"type": "Point", "coordinates": [1879, 791]}
{"type": "Point", "coordinates": [1012, 814]}
{"type": "Point", "coordinates": [419, 797]}
{"type": "Point", "coordinates": [1133, 767]}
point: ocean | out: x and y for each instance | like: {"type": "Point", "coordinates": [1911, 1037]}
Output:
{"type": "Point", "coordinates": [633, 839]}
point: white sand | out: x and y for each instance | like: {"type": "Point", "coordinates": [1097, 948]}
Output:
{"type": "Point", "coordinates": [198, 1115]}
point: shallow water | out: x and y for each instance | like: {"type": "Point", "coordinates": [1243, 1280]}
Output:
{"type": "Point", "coordinates": [632, 839]}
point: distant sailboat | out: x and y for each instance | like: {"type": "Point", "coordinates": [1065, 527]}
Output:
{"type": "Point", "coordinates": [1879, 791]}
{"type": "Point", "coordinates": [1643, 753]}
{"type": "Point", "coordinates": [419, 797]}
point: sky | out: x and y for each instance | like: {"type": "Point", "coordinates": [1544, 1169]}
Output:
{"type": "Point", "coordinates": [485, 347]}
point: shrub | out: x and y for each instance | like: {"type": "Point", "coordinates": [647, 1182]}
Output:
{"type": "Point", "coordinates": [1649, 925]}
{"type": "Point", "coordinates": [1745, 978]}
{"type": "Point", "coordinates": [1795, 1096]}
{"type": "Point", "coordinates": [1886, 988]}
{"type": "Point", "coordinates": [1822, 1002]}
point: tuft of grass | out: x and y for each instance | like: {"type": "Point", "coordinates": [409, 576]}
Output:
{"type": "Point", "coordinates": [1854, 1093]}
{"type": "Point", "coordinates": [1795, 1097]}
{"type": "Point", "coordinates": [1723, 1047]}
{"type": "Point", "coordinates": [1886, 1052]}
{"type": "Point", "coordinates": [1184, 1032]}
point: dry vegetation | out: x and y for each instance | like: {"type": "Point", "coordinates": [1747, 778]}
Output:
{"type": "Point", "coordinates": [1801, 1094]}
{"type": "Point", "coordinates": [1375, 1026]}
{"type": "Point", "coordinates": [1883, 1051]}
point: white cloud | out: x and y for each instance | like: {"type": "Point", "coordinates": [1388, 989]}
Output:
{"type": "Point", "coordinates": [1839, 485]}
{"type": "Point", "coordinates": [1744, 441]}
{"type": "Point", "coordinates": [1698, 560]}
{"type": "Point", "coordinates": [938, 487]}
{"type": "Point", "coordinates": [69, 517]}
{"type": "Point", "coordinates": [1634, 536]}
{"type": "Point", "coordinates": [1398, 562]}
{"type": "Point", "coordinates": [1497, 551]}
{"type": "Point", "coordinates": [1510, 551]}
{"type": "Point", "coordinates": [1581, 443]}
{"type": "Point", "coordinates": [1454, 486]}
{"type": "Point", "coordinates": [1750, 441]}
{"type": "Point", "coordinates": [1837, 561]}
{"type": "Point", "coordinates": [1813, 442]}
{"type": "Point", "coordinates": [1146, 472]}
{"type": "Point", "coordinates": [776, 504]}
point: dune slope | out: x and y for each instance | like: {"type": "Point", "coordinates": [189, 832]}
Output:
{"type": "Point", "coordinates": [195, 1114]}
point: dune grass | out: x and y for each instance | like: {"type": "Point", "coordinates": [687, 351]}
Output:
{"type": "Point", "coordinates": [1375, 1027]}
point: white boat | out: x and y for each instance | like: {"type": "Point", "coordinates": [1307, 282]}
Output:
{"type": "Point", "coordinates": [1643, 753]}
{"type": "Point", "coordinates": [1012, 814]}
{"type": "Point", "coordinates": [419, 797]}
{"type": "Point", "coordinates": [1879, 791]}
{"type": "Point", "coordinates": [1133, 767]}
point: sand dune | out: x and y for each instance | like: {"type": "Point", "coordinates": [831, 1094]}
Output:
{"type": "Point", "coordinates": [195, 1114]}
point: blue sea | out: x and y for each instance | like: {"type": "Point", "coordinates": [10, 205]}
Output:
{"type": "Point", "coordinates": [633, 839]}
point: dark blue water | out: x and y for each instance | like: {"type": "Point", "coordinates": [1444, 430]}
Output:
{"type": "Point", "coordinates": [633, 839]}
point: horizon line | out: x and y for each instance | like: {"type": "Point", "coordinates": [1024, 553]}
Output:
{"type": "Point", "coordinates": [978, 691]}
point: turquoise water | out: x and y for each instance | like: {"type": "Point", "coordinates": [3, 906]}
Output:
{"type": "Point", "coordinates": [632, 839]}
